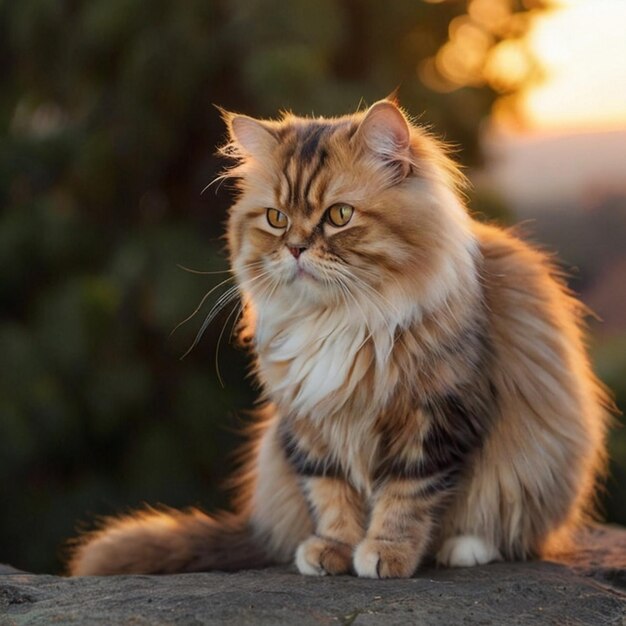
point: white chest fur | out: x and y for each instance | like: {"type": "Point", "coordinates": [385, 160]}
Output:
{"type": "Point", "coordinates": [308, 356]}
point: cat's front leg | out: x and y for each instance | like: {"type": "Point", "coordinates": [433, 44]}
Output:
{"type": "Point", "coordinates": [418, 472]}
{"type": "Point", "coordinates": [399, 530]}
{"type": "Point", "coordinates": [339, 517]}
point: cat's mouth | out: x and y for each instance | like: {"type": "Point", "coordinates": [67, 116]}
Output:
{"type": "Point", "coordinates": [302, 273]}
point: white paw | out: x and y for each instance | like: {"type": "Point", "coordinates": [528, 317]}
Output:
{"type": "Point", "coordinates": [365, 562]}
{"type": "Point", "coordinates": [381, 558]}
{"type": "Point", "coordinates": [304, 565]}
{"type": "Point", "coordinates": [467, 551]}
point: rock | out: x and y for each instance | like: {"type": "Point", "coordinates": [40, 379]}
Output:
{"type": "Point", "coordinates": [587, 586]}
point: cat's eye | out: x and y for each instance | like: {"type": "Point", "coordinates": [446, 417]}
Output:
{"type": "Point", "coordinates": [276, 218]}
{"type": "Point", "coordinates": [339, 214]}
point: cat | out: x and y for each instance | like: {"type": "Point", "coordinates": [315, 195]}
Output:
{"type": "Point", "coordinates": [427, 393]}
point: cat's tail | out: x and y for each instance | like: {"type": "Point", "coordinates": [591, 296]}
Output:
{"type": "Point", "coordinates": [166, 542]}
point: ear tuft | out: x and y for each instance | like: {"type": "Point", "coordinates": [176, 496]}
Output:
{"type": "Point", "coordinates": [385, 131]}
{"type": "Point", "coordinates": [393, 96]}
{"type": "Point", "coordinates": [252, 135]}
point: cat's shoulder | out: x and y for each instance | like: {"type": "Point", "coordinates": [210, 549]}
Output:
{"type": "Point", "coordinates": [506, 253]}
{"type": "Point", "coordinates": [519, 277]}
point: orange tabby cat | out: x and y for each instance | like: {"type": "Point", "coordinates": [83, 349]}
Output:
{"type": "Point", "coordinates": [427, 389]}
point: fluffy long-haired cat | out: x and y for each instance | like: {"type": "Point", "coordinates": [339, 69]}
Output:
{"type": "Point", "coordinates": [427, 391]}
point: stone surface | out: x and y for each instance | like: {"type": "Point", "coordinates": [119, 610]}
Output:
{"type": "Point", "coordinates": [587, 586]}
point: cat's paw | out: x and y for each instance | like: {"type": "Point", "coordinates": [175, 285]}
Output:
{"type": "Point", "coordinates": [467, 551]}
{"type": "Point", "coordinates": [378, 558]}
{"type": "Point", "coordinates": [318, 556]}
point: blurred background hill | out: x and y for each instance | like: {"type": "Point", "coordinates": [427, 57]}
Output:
{"type": "Point", "coordinates": [107, 140]}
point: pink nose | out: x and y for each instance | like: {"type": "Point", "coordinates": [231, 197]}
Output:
{"type": "Point", "coordinates": [296, 250]}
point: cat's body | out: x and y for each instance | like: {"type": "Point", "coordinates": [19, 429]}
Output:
{"type": "Point", "coordinates": [428, 391]}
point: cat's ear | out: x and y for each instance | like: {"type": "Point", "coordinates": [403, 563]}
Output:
{"type": "Point", "coordinates": [385, 132]}
{"type": "Point", "coordinates": [251, 135]}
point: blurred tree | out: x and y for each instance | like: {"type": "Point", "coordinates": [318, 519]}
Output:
{"type": "Point", "coordinates": [107, 141]}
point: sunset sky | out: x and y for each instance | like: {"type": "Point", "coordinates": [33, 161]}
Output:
{"type": "Point", "coordinates": [582, 46]}
{"type": "Point", "coordinates": [572, 142]}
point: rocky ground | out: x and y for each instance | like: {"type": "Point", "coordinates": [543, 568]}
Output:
{"type": "Point", "coordinates": [587, 586]}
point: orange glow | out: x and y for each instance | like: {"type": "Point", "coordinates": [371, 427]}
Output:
{"type": "Point", "coordinates": [557, 69]}
{"type": "Point", "coordinates": [582, 48]}
{"type": "Point", "coordinates": [508, 66]}
{"type": "Point", "coordinates": [471, 56]}
{"type": "Point", "coordinates": [494, 16]}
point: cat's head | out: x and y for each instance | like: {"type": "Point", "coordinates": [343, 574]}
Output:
{"type": "Point", "coordinates": [354, 211]}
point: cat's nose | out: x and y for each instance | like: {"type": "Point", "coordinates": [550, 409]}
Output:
{"type": "Point", "coordinates": [296, 251]}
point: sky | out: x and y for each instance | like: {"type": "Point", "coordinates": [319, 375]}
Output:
{"type": "Point", "coordinates": [572, 144]}
{"type": "Point", "coordinates": [582, 47]}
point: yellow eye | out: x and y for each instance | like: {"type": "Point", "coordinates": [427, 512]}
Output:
{"type": "Point", "coordinates": [276, 218]}
{"type": "Point", "coordinates": [339, 214]}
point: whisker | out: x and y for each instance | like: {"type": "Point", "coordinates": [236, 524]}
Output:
{"type": "Point", "coordinates": [222, 301]}
{"type": "Point", "coordinates": [204, 299]}
{"type": "Point", "coordinates": [369, 287]}
{"type": "Point", "coordinates": [226, 271]}
{"type": "Point", "coordinates": [384, 318]}
{"type": "Point", "coordinates": [269, 290]}
{"type": "Point", "coordinates": [221, 178]}
{"type": "Point", "coordinates": [346, 291]}
{"type": "Point", "coordinates": [219, 339]}
{"type": "Point", "coordinates": [192, 271]}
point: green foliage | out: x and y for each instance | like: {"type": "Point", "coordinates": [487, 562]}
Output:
{"type": "Point", "coordinates": [108, 138]}
{"type": "Point", "coordinates": [610, 357]}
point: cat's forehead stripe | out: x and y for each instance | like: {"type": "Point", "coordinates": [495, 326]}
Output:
{"type": "Point", "coordinates": [304, 161]}
{"type": "Point", "coordinates": [288, 164]}
{"type": "Point", "coordinates": [323, 155]}
{"type": "Point", "coordinates": [310, 141]}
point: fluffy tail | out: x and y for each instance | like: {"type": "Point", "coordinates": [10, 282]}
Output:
{"type": "Point", "coordinates": [167, 542]}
